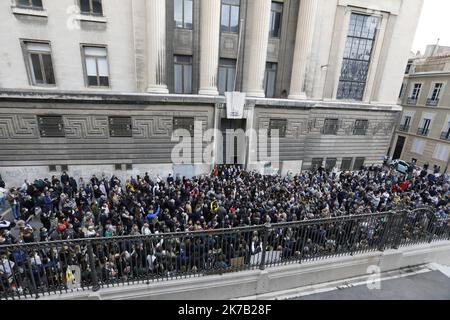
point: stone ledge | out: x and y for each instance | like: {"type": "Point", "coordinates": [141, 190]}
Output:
{"type": "Point", "coordinates": [29, 12]}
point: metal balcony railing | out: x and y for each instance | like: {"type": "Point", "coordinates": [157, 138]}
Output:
{"type": "Point", "coordinates": [432, 102]}
{"type": "Point", "coordinates": [58, 267]}
{"type": "Point", "coordinates": [404, 128]}
{"type": "Point", "coordinates": [445, 136]}
{"type": "Point", "coordinates": [423, 132]}
{"type": "Point", "coordinates": [412, 101]}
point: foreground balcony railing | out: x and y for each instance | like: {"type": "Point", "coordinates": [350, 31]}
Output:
{"type": "Point", "coordinates": [32, 270]}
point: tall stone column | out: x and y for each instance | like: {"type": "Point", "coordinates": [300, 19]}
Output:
{"type": "Point", "coordinates": [156, 46]}
{"type": "Point", "coordinates": [209, 46]}
{"type": "Point", "coordinates": [303, 44]}
{"type": "Point", "coordinates": [256, 43]}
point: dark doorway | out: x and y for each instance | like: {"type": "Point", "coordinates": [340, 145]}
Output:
{"type": "Point", "coordinates": [399, 148]}
{"type": "Point", "coordinates": [238, 153]}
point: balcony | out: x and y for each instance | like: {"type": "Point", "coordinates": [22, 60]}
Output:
{"type": "Point", "coordinates": [423, 132]}
{"type": "Point", "coordinates": [412, 101]}
{"type": "Point", "coordinates": [445, 136]}
{"type": "Point", "coordinates": [432, 102]}
{"type": "Point", "coordinates": [404, 128]}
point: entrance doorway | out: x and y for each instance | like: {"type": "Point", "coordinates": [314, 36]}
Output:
{"type": "Point", "coordinates": [399, 148]}
{"type": "Point", "coordinates": [234, 141]}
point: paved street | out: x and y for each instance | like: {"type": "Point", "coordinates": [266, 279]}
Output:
{"type": "Point", "coordinates": [433, 285]}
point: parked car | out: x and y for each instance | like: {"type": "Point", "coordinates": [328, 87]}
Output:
{"type": "Point", "coordinates": [401, 166]}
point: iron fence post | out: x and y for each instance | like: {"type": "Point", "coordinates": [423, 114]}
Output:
{"type": "Point", "coordinates": [95, 284]}
{"type": "Point", "coordinates": [33, 281]}
{"type": "Point", "coordinates": [262, 264]}
{"type": "Point", "coordinates": [387, 232]}
{"type": "Point", "coordinates": [398, 228]}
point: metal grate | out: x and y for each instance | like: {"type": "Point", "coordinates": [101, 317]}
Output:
{"type": "Point", "coordinates": [120, 127]}
{"type": "Point", "coordinates": [51, 126]}
{"type": "Point", "coordinates": [278, 124]}
{"type": "Point", "coordinates": [184, 123]}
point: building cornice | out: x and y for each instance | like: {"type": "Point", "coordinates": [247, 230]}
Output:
{"type": "Point", "coordinates": [47, 96]}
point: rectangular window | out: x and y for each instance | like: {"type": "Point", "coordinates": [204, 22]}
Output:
{"type": "Point", "coordinates": [270, 79]}
{"type": "Point", "coordinates": [185, 123]}
{"type": "Point", "coordinates": [316, 163]}
{"type": "Point", "coordinates": [30, 4]}
{"type": "Point", "coordinates": [331, 126]}
{"type": "Point", "coordinates": [39, 61]}
{"type": "Point", "coordinates": [346, 164]}
{"type": "Point", "coordinates": [418, 146]}
{"type": "Point", "coordinates": [408, 67]}
{"type": "Point", "coordinates": [416, 91]}
{"type": "Point", "coordinates": [446, 134]}
{"type": "Point", "coordinates": [51, 126]}
{"type": "Point", "coordinates": [230, 16]}
{"type": "Point", "coordinates": [183, 74]}
{"type": "Point", "coordinates": [276, 14]}
{"type": "Point", "coordinates": [406, 124]}
{"type": "Point", "coordinates": [227, 74]}
{"type": "Point", "coordinates": [280, 125]}
{"type": "Point", "coordinates": [96, 66]}
{"type": "Point", "coordinates": [425, 128]}
{"type": "Point", "coordinates": [402, 91]}
{"type": "Point", "coordinates": [436, 91]}
{"type": "Point", "coordinates": [118, 167]}
{"type": "Point", "coordinates": [183, 13]}
{"type": "Point", "coordinates": [120, 127]}
{"type": "Point", "coordinates": [357, 56]}
{"type": "Point", "coordinates": [330, 163]}
{"type": "Point", "coordinates": [91, 7]}
{"type": "Point", "coordinates": [441, 152]}
{"type": "Point", "coordinates": [361, 127]}
{"type": "Point", "coordinates": [359, 164]}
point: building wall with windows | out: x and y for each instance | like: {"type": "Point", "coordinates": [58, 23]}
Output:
{"type": "Point", "coordinates": [303, 64]}
{"type": "Point", "coordinates": [423, 132]}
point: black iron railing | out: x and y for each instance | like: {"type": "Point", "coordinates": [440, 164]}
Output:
{"type": "Point", "coordinates": [445, 135]}
{"type": "Point", "coordinates": [423, 132]}
{"type": "Point", "coordinates": [404, 128]}
{"type": "Point", "coordinates": [34, 270]}
{"type": "Point", "coordinates": [432, 102]}
{"type": "Point", "coordinates": [411, 101]}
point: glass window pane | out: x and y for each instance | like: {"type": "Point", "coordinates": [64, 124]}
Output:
{"type": "Point", "coordinates": [37, 3]}
{"type": "Point", "coordinates": [178, 13]}
{"type": "Point", "coordinates": [225, 20]}
{"type": "Point", "coordinates": [270, 84]}
{"type": "Point", "coordinates": [48, 67]}
{"type": "Point", "coordinates": [23, 3]}
{"type": "Point", "coordinates": [97, 7]}
{"type": "Point", "coordinates": [36, 65]}
{"type": "Point", "coordinates": [234, 19]}
{"type": "Point", "coordinates": [187, 79]}
{"type": "Point", "coordinates": [104, 81]}
{"type": "Point", "coordinates": [230, 79]}
{"type": "Point", "coordinates": [188, 14]}
{"type": "Point", "coordinates": [95, 51]}
{"type": "Point", "coordinates": [103, 67]}
{"type": "Point", "coordinates": [91, 66]}
{"type": "Point", "coordinates": [92, 81]}
{"type": "Point", "coordinates": [222, 80]}
{"type": "Point", "coordinates": [277, 25]}
{"type": "Point", "coordinates": [84, 6]}
{"type": "Point", "coordinates": [178, 78]}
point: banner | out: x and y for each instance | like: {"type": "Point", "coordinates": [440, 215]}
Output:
{"type": "Point", "coordinates": [235, 104]}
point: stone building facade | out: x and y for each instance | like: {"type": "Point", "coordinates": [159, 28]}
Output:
{"type": "Point", "coordinates": [99, 86]}
{"type": "Point", "coordinates": [423, 132]}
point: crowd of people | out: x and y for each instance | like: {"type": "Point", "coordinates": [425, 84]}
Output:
{"type": "Point", "coordinates": [229, 197]}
